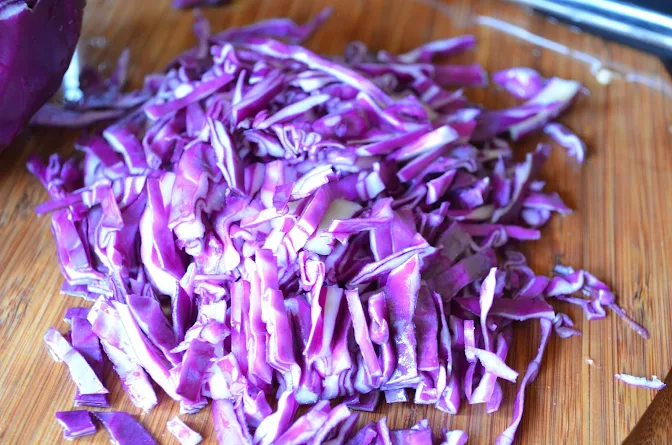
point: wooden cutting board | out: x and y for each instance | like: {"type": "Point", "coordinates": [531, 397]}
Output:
{"type": "Point", "coordinates": [620, 230]}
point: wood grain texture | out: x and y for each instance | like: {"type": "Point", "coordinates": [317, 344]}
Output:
{"type": "Point", "coordinates": [619, 230]}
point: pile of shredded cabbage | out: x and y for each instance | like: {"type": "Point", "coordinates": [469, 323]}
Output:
{"type": "Point", "coordinates": [317, 228]}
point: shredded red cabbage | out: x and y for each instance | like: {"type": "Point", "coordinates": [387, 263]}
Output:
{"type": "Point", "coordinates": [184, 434]}
{"type": "Point", "coordinates": [123, 429]}
{"type": "Point", "coordinates": [198, 3]}
{"type": "Point", "coordinates": [75, 424]}
{"type": "Point", "coordinates": [643, 382]}
{"type": "Point", "coordinates": [85, 378]}
{"type": "Point", "coordinates": [316, 227]}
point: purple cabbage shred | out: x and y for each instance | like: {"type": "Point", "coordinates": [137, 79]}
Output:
{"type": "Point", "coordinates": [259, 219]}
{"type": "Point", "coordinates": [75, 424]}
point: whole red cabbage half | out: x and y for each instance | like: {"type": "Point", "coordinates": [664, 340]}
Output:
{"type": "Point", "coordinates": [37, 40]}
